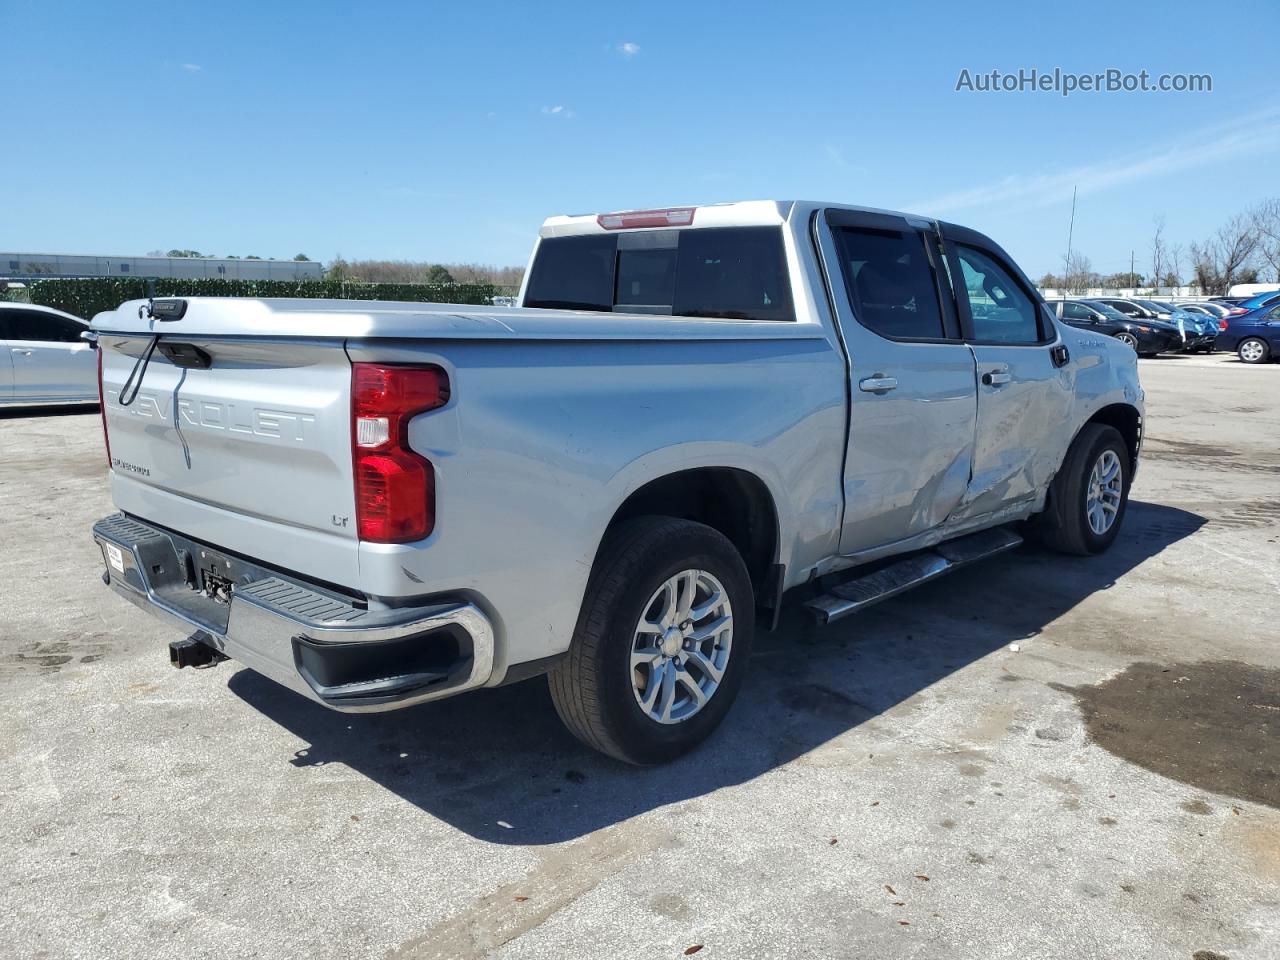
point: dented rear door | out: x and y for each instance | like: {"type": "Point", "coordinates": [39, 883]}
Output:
{"type": "Point", "coordinates": [912, 406]}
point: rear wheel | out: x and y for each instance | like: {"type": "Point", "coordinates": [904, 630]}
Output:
{"type": "Point", "coordinates": [1088, 497]}
{"type": "Point", "coordinates": [662, 641]}
{"type": "Point", "coordinates": [1253, 350]}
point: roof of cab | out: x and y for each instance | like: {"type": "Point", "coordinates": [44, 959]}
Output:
{"type": "Point", "coordinates": [742, 213]}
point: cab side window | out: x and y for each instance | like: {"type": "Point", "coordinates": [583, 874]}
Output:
{"type": "Point", "coordinates": [891, 282]}
{"type": "Point", "coordinates": [1001, 311]}
{"type": "Point", "coordinates": [34, 325]}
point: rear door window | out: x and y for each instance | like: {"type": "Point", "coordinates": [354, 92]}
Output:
{"type": "Point", "coordinates": [891, 282]}
{"type": "Point", "coordinates": [735, 273]}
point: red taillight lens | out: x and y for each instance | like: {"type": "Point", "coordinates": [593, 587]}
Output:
{"type": "Point", "coordinates": [629, 219]}
{"type": "Point", "coordinates": [102, 408]}
{"type": "Point", "coordinates": [395, 487]}
{"type": "Point", "coordinates": [1222, 324]}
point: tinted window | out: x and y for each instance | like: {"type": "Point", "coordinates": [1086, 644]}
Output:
{"type": "Point", "coordinates": [1002, 312]}
{"type": "Point", "coordinates": [573, 273]}
{"type": "Point", "coordinates": [737, 272]}
{"type": "Point", "coordinates": [1129, 309]}
{"type": "Point", "coordinates": [38, 326]}
{"type": "Point", "coordinates": [1077, 311]}
{"type": "Point", "coordinates": [891, 282]}
{"type": "Point", "coordinates": [647, 271]}
{"type": "Point", "coordinates": [730, 272]}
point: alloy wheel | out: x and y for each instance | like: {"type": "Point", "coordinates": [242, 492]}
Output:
{"type": "Point", "coordinates": [681, 646]}
{"type": "Point", "coordinates": [1102, 497]}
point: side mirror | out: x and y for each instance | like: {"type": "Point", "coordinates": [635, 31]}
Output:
{"type": "Point", "coordinates": [90, 337]}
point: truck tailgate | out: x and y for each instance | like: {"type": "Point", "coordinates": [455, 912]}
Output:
{"type": "Point", "coordinates": [252, 453]}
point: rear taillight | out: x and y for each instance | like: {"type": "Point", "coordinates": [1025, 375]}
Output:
{"type": "Point", "coordinates": [1236, 311]}
{"type": "Point", "coordinates": [1222, 324]}
{"type": "Point", "coordinates": [395, 487]}
{"type": "Point", "coordinates": [102, 408]}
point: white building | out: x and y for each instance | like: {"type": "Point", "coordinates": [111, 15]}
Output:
{"type": "Point", "coordinates": [28, 266]}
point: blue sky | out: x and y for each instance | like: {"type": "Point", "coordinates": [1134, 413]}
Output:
{"type": "Point", "coordinates": [446, 132]}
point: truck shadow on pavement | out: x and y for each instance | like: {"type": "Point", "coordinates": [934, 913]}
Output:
{"type": "Point", "coordinates": [498, 765]}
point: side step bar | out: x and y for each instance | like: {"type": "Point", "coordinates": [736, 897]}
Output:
{"type": "Point", "coordinates": [855, 595]}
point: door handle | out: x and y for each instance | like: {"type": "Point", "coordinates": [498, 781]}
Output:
{"type": "Point", "coordinates": [995, 378]}
{"type": "Point", "coordinates": [877, 384]}
{"type": "Point", "coordinates": [20, 350]}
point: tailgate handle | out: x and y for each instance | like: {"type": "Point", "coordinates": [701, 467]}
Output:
{"type": "Point", "coordinates": [186, 355]}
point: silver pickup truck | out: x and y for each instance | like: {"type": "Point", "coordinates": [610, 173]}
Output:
{"type": "Point", "coordinates": [693, 412]}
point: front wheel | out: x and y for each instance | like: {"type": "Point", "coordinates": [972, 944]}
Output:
{"type": "Point", "coordinates": [661, 644]}
{"type": "Point", "coordinates": [1128, 339]}
{"type": "Point", "coordinates": [1253, 350]}
{"type": "Point", "coordinates": [1088, 497]}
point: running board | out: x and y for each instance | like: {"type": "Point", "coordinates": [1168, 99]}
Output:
{"type": "Point", "coordinates": [858, 594]}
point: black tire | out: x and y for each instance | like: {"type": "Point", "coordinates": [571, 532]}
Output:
{"type": "Point", "coordinates": [1128, 339]}
{"type": "Point", "coordinates": [1064, 525]}
{"type": "Point", "coordinates": [1262, 357]}
{"type": "Point", "coordinates": [592, 687]}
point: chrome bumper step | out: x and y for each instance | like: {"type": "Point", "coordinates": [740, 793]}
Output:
{"type": "Point", "coordinates": [859, 593]}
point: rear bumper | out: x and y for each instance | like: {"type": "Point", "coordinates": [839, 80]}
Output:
{"type": "Point", "coordinates": [303, 635]}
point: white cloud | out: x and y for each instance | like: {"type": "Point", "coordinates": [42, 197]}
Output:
{"type": "Point", "coordinates": [628, 49]}
{"type": "Point", "coordinates": [192, 67]}
{"type": "Point", "coordinates": [1250, 134]}
{"type": "Point", "coordinates": [559, 110]}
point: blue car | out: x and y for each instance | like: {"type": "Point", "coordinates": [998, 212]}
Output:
{"type": "Point", "coordinates": [1238, 309]}
{"type": "Point", "coordinates": [1254, 336]}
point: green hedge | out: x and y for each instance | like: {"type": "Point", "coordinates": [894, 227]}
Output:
{"type": "Point", "coordinates": [84, 298]}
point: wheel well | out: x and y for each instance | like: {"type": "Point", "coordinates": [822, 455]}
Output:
{"type": "Point", "coordinates": [734, 502]}
{"type": "Point", "coordinates": [1127, 421]}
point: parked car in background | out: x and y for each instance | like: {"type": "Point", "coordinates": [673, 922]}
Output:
{"type": "Point", "coordinates": [1255, 337]}
{"type": "Point", "coordinates": [1147, 339]}
{"type": "Point", "coordinates": [1269, 299]}
{"type": "Point", "coordinates": [1200, 330]}
{"type": "Point", "coordinates": [1206, 307]}
{"type": "Point", "coordinates": [1135, 310]}
{"type": "Point", "coordinates": [45, 360]}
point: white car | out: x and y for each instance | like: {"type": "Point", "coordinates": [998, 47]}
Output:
{"type": "Point", "coordinates": [45, 360]}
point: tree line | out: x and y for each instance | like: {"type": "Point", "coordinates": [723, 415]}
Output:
{"type": "Point", "coordinates": [186, 254]}
{"type": "Point", "coordinates": [413, 271]}
{"type": "Point", "coordinates": [1245, 249]}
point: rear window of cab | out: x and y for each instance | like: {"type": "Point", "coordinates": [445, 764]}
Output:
{"type": "Point", "coordinates": [737, 273]}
